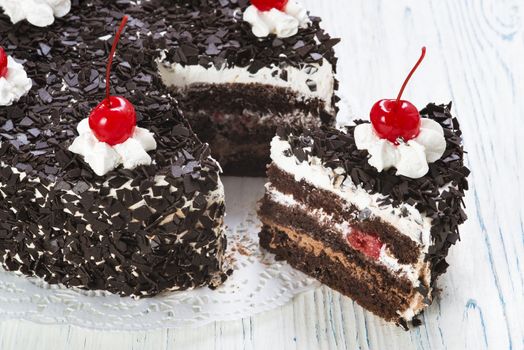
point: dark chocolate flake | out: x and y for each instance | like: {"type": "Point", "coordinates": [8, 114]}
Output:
{"type": "Point", "coordinates": [311, 85]}
{"type": "Point", "coordinates": [8, 125]}
{"type": "Point", "coordinates": [44, 49]}
{"type": "Point", "coordinates": [26, 122]}
{"type": "Point", "coordinates": [45, 96]}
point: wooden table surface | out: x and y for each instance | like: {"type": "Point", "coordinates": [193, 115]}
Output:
{"type": "Point", "coordinates": [475, 59]}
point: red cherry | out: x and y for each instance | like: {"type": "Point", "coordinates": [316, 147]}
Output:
{"type": "Point", "coordinates": [113, 121]}
{"type": "Point", "coordinates": [367, 244]}
{"type": "Point", "coordinates": [397, 119]}
{"type": "Point", "coordinates": [393, 120]}
{"type": "Point", "coordinates": [3, 63]}
{"type": "Point", "coordinates": [266, 5]}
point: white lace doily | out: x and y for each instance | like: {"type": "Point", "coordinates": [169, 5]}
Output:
{"type": "Point", "coordinates": [258, 284]}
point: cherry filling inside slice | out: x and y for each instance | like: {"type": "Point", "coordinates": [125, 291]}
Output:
{"type": "Point", "coordinates": [366, 243]}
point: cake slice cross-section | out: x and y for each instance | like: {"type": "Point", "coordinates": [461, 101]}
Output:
{"type": "Point", "coordinates": [376, 236]}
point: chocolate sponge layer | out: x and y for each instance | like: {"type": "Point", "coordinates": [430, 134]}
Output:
{"type": "Point", "coordinates": [373, 289]}
{"type": "Point", "coordinates": [238, 121]}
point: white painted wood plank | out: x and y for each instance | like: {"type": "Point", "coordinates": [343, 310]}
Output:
{"type": "Point", "coordinates": [468, 63]}
{"type": "Point", "coordinates": [475, 58]}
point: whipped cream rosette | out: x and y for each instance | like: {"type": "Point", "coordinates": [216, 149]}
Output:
{"type": "Point", "coordinates": [281, 18]}
{"type": "Point", "coordinates": [410, 158]}
{"type": "Point", "coordinates": [14, 82]}
{"type": "Point", "coordinates": [40, 13]}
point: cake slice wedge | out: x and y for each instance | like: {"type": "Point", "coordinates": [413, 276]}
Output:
{"type": "Point", "coordinates": [375, 236]}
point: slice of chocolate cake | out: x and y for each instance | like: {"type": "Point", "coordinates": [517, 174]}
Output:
{"type": "Point", "coordinates": [88, 198]}
{"type": "Point", "coordinates": [376, 236]}
{"type": "Point", "coordinates": [240, 70]}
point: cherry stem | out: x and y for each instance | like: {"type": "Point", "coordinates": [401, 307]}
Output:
{"type": "Point", "coordinates": [111, 56]}
{"type": "Point", "coordinates": [411, 74]}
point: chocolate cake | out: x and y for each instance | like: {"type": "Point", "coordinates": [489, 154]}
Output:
{"type": "Point", "coordinates": [376, 236]}
{"type": "Point", "coordinates": [117, 193]}
{"type": "Point", "coordinates": [237, 77]}
{"type": "Point", "coordinates": [134, 217]}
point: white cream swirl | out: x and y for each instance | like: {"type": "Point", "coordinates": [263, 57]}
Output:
{"type": "Point", "coordinates": [40, 13]}
{"type": "Point", "coordinates": [103, 158]}
{"type": "Point", "coordinates": [15, 84]}
{"type": "Point", "coordinates": [411, 158]}
{"type": "Point", "coordinates": [283, 24]}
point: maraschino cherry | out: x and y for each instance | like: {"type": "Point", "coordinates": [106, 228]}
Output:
{"type": "Point", "coordinates": [113, 121]}
{"type": "Point", "coordinates": [267, 5]}
{"type": "Point", "coordinates": [397, 119]}
{"type": "Point", "coordinates": [3, 63]}
{"type": "Point", "coordinates": [368, 244]}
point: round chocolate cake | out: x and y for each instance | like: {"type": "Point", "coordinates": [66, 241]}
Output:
{"type": "Point", "coordinates": [134, 231]}
{"type": "Point", "coordinates": [144, 214]}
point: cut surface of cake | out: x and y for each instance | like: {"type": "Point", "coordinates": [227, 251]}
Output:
{"type": "Point", "coordinates": [237, 82]}
{"type": "Point", "coordinates": [376, 236]}
{"type": "Point", "coordinates": [133, 217]}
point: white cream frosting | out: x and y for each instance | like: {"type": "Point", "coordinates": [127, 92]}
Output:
{"type": "Point", "coordinates": [416, 225]}
{"type": "Point", "coordinates": [40, 13]}
{"type": "Point", "coordinates": [103, 158]}
{"type": "Point", "coordinates": [15, 84]}
{"type": "Point", "coordinates": [283, 24]}
{"type": "Point", "coordinates": [178, 76]}
{"type": "Point", "coordinates": [410, 158]}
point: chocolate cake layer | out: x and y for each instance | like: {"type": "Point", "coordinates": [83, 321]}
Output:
{"type": "Point", "coordinates": [301, 220]}
{"type": "Point", "coordinates": [240, 159]}
{"type": "Point", "coordinates": [137, 232]}
{"type": "Point", "coordinates": [340, 272]}
{"type": "Point", "coordinates": [240, 143]}
{"type": "Point", "coordinates": [260, 99]}
{"type": "Point", "coordinates": [402, 247]}
{"type": "Point", "coordinates": [238, 121]}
